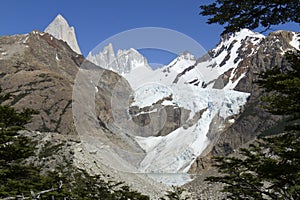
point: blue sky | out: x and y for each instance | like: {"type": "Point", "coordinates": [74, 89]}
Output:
{"type": "Point", "coordinates": [97, 20]}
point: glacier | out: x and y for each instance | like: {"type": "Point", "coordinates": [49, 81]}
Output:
{"type": "Point", "coordinates": [186, 83]}
{"type": "Point", "coordinates": [194, 84]}
{"type": "Point", "coordinates": [176, 152]}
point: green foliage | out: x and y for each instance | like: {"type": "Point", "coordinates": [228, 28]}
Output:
{"type": "Point", "coordinates": [3, 97]}
{"type": "Point", "coordinates": [77, 184]}
{"type": "Point", "coordinates": [20, 179]}
{"type": "Point", "coordinates": [176, 194]}
{"type": "Point", "coordinates": [49, 150]}
{"type": "Point", "coordinates": [236, 14]}
{"type": "Point", "coordinates": [268, 169]}
{"type": "Point", "coordinates": [284, 83]}
{"type": "Point", "coordinates": [15, 177]}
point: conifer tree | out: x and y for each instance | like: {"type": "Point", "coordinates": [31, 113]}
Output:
{"type": "Point", "coordinates": [20, 180]}
{"type": "Point", "coordinates": [236, 14]}
{"type": "Point", "coordinates": [283, 87]}
{"type": "Point", "coordinates": [269, 168]}
{"type": "Point", "coordinates": [16, 177]}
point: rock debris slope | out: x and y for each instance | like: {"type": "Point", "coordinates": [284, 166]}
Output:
{"type": "Point", "coordinates": [39, 72]}
{"type": "Point", "coordinates": [131, 119]}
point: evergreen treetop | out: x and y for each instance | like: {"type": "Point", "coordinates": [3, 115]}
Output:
{"type": "Point", "coordinates": [237, 14]}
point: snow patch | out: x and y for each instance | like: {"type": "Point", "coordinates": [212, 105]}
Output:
{"type": "Point", "coordinates": [295, 41]}
{"type": "Point", "coordinates": [148, 143]}
{"type": "Point", "coordinates": [56, 57]}
{"type": "Point", "coordinates": [25, 40]}
{"type": "Point", "coordinates": [232, 84]}
{"type": "Point", "coordinates": [231, 121]}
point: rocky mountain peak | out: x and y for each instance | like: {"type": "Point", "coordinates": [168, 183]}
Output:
{"type": "Point", "coordinates": [240, 34]}
{"type": "Point", "coordinates": [109, 49]}
{"type": "Point", "coordinates": [186, 55]}
{"type": "Point", "coordinates": [284, 40]}
{"type": "Point", "coordinates": [203, 113]}
{"type": "Point", "coordinates": [241, 38]}
{"type": "Point", "coordinates": [60, 29]}
{"type": "Point", "coordinates": [123, 62]}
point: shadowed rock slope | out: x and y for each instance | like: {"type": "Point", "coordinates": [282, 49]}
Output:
{"type": "Point", "coordinates": [39, 71]}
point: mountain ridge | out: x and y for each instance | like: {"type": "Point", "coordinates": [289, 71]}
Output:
{"type": "Point", "coordinates": [210, 105]}
{"type": "Point", "coordinates": [122, 62]}
{"type": "Point", "coordinates": [60, 29]}
{"type": "Point", "coordinates": [39, 72]}
{"type": "Point", "coordinates": [224, 69]}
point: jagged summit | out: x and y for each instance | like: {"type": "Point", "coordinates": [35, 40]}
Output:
{"type": "Point", "coordinates": [208, 103]}
{"type": "Point", "coordinates": [241, 34]}
{"type": "Point", "coordinates": [123, 62]}
{"type": "Point", "coordinates": [60, 29]}
{"type": "Point", "coordinates": [187, 56]}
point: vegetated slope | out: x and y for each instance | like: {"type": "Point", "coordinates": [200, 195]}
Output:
{"type": "Point", "coordinates": [39, 71]}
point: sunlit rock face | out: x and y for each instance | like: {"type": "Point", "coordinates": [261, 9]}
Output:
{"type": "Point", "coordinates": [60, 29]}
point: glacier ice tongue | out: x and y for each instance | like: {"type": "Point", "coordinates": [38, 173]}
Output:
{"type": "Point", "coordinates": [175, 152]}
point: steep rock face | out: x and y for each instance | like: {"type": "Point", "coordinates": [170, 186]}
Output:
{"type": "Point", "coordinates": [219, 68]}
{"type": "Point", "coordinates": [253, 120]}
{"type": "Point", "coordinates": [61, 30]}
{"type": "Point", "coordinates": [175, 118]}
{"type": "Point", "coordinates": [123, 62]}
{"type": "Point", "coordinates": [39, 72]}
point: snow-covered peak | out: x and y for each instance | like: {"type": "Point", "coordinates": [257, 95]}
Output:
{"type": "Point", "coordinates": [243, 33]}
{"type": "Point", "coordinates": [228, 40]}
{"type": "Point", "coordinates": [123, 62]}
{"type": "Point", "coordinates": [60, 29]}
{"type": "Point", "coordinates": [61, 19]}
{"type": "Point", "coordinates": [187, 56]}
{"type": "Point", "coordinates": [226, 57]}
{"type": "Point", "coordinates": [246, 32]}
{"type": "Point", "coordinates": [109, 50]}
{"type": "Point", "coordinates": [181, 62]}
